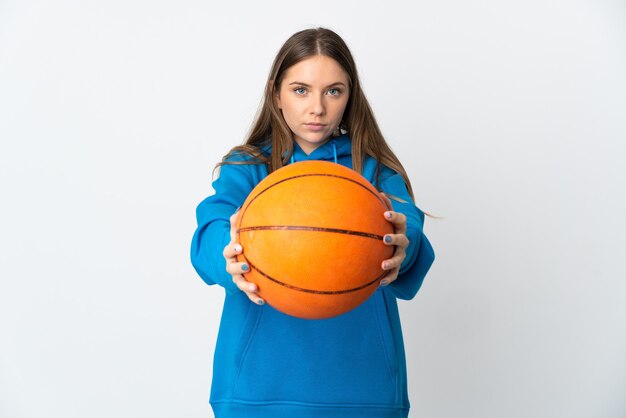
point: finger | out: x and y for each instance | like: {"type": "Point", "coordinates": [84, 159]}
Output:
{"type": "Point", "coordinates": [399, 240]}
{"type": "Point", "coordinates": [232, 250]}
{"type": "Point", "coordinates": [233, 225]}
{"type": "Point", "coordinates": [237, 268]}
{"type": "Point", "coordinates": [398, 219]}
{"type": "Point", "coordinates": [390, 277]}
{"type": "Point", "coordinates": [395, 261]}
{"type": "Point", "coordinates": [248, 288]}
{"type": "Point", "coordinates": [243, 284]}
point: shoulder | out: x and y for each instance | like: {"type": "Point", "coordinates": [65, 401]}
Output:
{"type": "Point", "coordinates": [386, 180]}
{"type": "Point", "coordinates": [242, 167]}
{"type": "Point", "coordinates": [371, 169]}
{"type": "Point", "coordinates": [249, 154]}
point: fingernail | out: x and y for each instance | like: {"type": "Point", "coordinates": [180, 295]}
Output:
{"type": "Point", "coordinates": [388, 215]}
{"type": "Point", "coordinates": [260, 302]}
{"type": "Point", "coordinates": [388, 238]}
{"type": "Point", "coordinates": [384, 282]}
{"type": "Point", "coordinates": [237, 247]}
{"type": "Point", "coordinates": [244, 267]}
{"type": "Point", "coordinates": [385, 266]}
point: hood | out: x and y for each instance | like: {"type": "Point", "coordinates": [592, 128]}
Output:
{"type": "Point", "coordinates": [329, 151]}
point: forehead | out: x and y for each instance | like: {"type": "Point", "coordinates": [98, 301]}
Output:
{"type": "Point", "coordinates": [318, 69]}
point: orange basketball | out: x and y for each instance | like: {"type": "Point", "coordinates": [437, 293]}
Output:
{"type": "Point", "coordinates": [312, 235]}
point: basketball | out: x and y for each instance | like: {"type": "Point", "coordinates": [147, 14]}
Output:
{"type": "Point", "coordinates": [312, 234]}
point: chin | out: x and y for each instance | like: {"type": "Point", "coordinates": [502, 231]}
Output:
{"type": "Point", "coordinates": [316, 138]}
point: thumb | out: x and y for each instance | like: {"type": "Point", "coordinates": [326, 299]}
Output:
{"type": "Point", "coordinates": [233, 225]}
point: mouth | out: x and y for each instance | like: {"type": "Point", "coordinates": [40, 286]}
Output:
{"type": "Point", "coordinates": [315, 127]}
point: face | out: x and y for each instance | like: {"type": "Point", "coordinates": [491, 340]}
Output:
{"type": "Point", "coordinates": [312, 96]}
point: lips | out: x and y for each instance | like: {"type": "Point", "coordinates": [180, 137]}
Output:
{"type": "Point", "coordinates": [315, 127]}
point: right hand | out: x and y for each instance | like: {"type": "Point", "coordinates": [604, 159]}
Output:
{"type": "Point", "coordinates": [237, 269]}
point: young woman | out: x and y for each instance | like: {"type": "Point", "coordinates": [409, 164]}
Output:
{"type": "Point", "coordinates": [268, 364]}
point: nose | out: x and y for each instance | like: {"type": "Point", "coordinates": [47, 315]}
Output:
{"type": "Point", "coordinates": [317, 105]}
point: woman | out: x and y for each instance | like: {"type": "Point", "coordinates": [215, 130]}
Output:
{"type": "Point", "coordinates": [268, 364]}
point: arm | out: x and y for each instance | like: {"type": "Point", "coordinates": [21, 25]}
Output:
{"type": "Point", "coordinates": [212, 234]}
{"type": "Point", "coordinates": [419, 252]}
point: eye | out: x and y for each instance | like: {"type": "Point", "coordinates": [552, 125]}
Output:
{"type": "Point", "coordinates": [334, 92]}
{"type": "Point", "coordinates": [300, 90]}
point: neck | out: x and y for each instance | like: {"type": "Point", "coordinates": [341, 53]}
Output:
{"type": "Point", "coordinates": [308, 147]}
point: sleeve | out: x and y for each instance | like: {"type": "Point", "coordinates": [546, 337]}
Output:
{"type": "Point", "coordinates": [213, 214]}
{"type": "Point", "coordinates": [419, 254]}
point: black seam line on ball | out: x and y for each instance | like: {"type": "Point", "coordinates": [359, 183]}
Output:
{"type": "Point", "coordinates": [312, 175]}
{"type": "Point", "coordinates": [309, 228]}
{"type": "Point", "coordinates": [319, 175]}
{"type": "Point", "coordinates": [317, 292]}
{"type": "Point", "coordinates": [244, 209]}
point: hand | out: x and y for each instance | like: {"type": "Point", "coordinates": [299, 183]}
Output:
{"type": "Point", "coordinates": [237, 269]}
{"type": "Point", "coordinates": [398, 238]}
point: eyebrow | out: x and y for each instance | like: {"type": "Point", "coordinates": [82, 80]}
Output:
{"type": "Point", "coordinates": [307, 85]}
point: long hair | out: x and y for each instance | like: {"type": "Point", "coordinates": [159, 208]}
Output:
{"type": "Point", "coordinates": [269, 126]}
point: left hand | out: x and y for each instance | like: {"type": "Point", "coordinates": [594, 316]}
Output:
{"type": "Point", "coordinates": [398, 238]}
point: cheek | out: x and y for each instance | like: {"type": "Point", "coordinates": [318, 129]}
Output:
{"type": "Point", "coordinates": [290, 113]}
{"type": "Point", "coordinates": [340, 109]}
{"type": "Point", "coordinates": [292, 108]}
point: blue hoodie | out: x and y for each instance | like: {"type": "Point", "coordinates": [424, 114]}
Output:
{"type": "Point", "coordinates": [268, 364]}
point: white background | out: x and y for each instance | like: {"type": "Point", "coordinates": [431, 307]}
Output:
{"type": "Point", "coordinates": [510, 118]}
